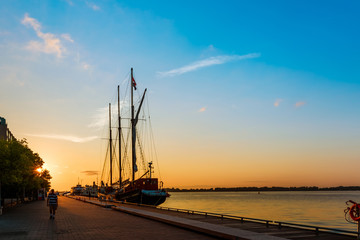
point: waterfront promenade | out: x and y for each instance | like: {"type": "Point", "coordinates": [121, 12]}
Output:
{"type": "Point", "coordinates": [78, 220]}
{"type": "Point", "coordinates": [92, 219]}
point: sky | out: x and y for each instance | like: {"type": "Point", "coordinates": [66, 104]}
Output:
{"type": "Point", "coordinates": [242, 93]}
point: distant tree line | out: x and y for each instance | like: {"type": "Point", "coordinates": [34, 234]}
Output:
{"type": "Point", "coordinates": [265, 189]}
{"type": "Point", "coordinates": [19, 177]}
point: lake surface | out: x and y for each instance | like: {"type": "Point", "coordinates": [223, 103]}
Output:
{"type": "Point", "coordinates": [324, 209]}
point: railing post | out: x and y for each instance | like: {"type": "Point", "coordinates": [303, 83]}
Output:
{"type": "Point", "coordinates": [317, 231]}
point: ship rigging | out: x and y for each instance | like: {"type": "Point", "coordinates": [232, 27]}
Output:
{"type": "Point", "coordinates": [139, 186]}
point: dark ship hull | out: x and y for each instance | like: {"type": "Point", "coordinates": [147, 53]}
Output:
{"type": "Point", "coordinates": [141, 197]}
{"type": "Point", "coordinates": [143, 191]}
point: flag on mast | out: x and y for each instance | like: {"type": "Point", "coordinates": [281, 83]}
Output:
{"type": "Point", "coordinates": [133, 83]}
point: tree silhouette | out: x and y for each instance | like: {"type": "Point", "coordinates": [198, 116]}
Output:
{"type": "Point", "coordinates": [18, 175]}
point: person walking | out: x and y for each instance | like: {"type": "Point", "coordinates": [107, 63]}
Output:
{"type": "Point", "coordinates": [52, 202]}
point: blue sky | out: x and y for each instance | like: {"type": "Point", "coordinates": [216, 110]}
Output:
{"type": "Point", "coordinates": [248, 82]}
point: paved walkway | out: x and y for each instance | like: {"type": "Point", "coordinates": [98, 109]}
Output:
{"type": "Point", "coordinates": [78, 220]}
{"type": "Point", "coordinates": [213, 229]}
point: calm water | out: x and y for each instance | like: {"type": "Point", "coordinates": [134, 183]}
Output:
{"type": "Point", "coordinates": [314, 208]}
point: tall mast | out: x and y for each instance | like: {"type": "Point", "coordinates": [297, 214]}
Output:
{"type": "Point", "coordinates": [133, 130]}
{"type": "Point", "coordinates": [119, 130]}
{"type": "Point", "coordinates": [110, 142]}
{"type": "Point", "coordinates": [134, 121]}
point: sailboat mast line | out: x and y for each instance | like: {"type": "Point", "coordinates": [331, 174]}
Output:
{"type": "Point", "coordinates": [110, 143]}
{"type": "Point", "coordinates": [133, 133]}
{"type": "Point", "coordinates": [147, 138]}
{"type": "Point", "coordinates": [107, 151]}
{"type": "Point", "coordinates": [126, 157]}
{"type": "Point", "coordinates": [141, 152]}
{"type": "Point", "coordinates": [153, 139]}
{"type": "Point", "coordinates": [118, 159]}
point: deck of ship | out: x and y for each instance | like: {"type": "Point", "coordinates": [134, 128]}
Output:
{"type": "Point", "coordinates": [225, 226]}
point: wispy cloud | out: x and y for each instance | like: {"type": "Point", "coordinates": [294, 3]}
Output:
{"type": "Point", "coordinates": [101, 117]}
{"type": "Point", "coordinates": [203, 109]}
{"type": "Point", "coordinates": [277, 102]}
{"type": "Point", "coordinates": [90, 173]}
{"type": "Point", "coordinates": [50, 44]}
{"type": "Point", "coordinates": [299, 104]}
{"type": "Point", "coordinates": [82, 64]}
{"type": "Point", "coordinates": [67, 37]}
{"type": "Point", "coordinates": [64, 137]}
{"type": "Point", "coordinates": [93, 6]}
{"type": "Point", "coordinates": [206, 63]}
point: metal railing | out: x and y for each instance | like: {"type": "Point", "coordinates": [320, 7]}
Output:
{"type": "Point", "coordinates": [279, 224]}
{"type": "Point", "coordinates": [317, 229]}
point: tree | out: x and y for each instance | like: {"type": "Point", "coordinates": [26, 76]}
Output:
{"type": "Point", "coordinates": [18, 175]}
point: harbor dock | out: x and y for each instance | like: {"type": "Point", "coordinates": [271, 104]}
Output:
{"type": "Point", "coordinates": [84, 218]}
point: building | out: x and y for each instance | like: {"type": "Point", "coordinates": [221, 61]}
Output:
{"type": "Point", "coordinates": [5, 133]}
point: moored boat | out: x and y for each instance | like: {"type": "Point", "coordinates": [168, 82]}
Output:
{"type": "Point", "coordinates": [90, 190]}
{"type": "Point", "coordinates": [77, 190]}
{"type": "Point", "coordinates": [144, 189]}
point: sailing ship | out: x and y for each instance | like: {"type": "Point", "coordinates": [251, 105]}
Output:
{"type": "Point", "coordinates": [145, 189]}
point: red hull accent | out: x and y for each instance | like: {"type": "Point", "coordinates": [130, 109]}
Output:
{"type": "Point", "coordinates": [143, 184]}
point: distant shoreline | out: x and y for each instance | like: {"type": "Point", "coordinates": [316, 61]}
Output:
{"type": "Point", "coordinates": [264, 189]}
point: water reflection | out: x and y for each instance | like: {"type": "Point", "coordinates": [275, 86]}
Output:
{"type": "Point", "coordinates": [313, 208]}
